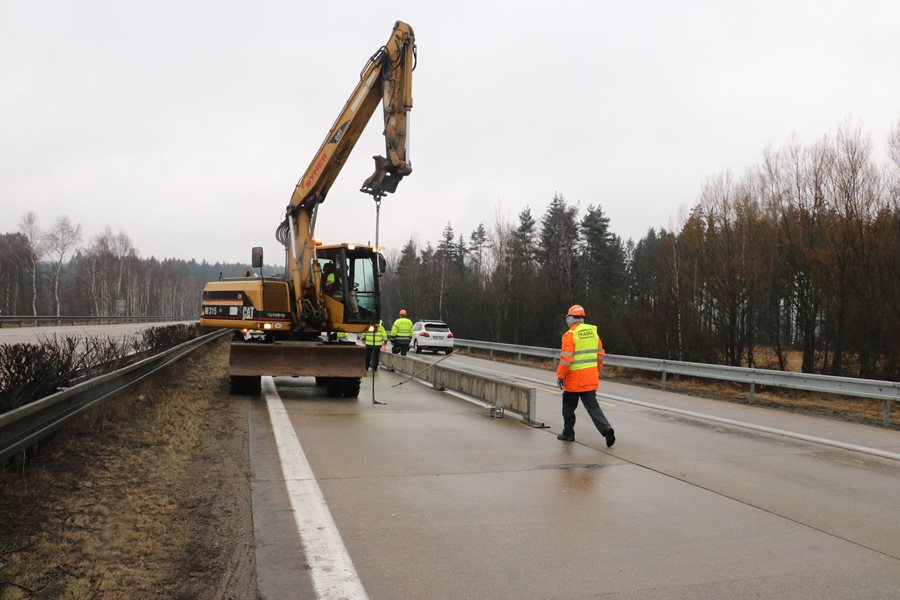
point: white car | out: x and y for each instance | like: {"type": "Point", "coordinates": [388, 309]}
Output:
{"type": "Point", "coordinates": [432, 335]}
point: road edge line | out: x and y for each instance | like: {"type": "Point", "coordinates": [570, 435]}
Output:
{"type": "Point", "coordinates": [330, 567]}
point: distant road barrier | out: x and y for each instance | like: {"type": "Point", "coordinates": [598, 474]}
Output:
{"type": "Point", "coordinates": [29, 321]}
{"type": "Point", "coordinates": [23, 427]}
{"type": "Point", "coordinates": [501, 394]}
{"type": "Point", "coordinates": [888, 391]}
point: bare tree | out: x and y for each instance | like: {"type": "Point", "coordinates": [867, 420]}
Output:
{"type": "Point", "coordinates": [29, 228]}
{"type": "Point", "coordinates": [61, 241]}
{"type": "Point", "coordinates": [894, 167]}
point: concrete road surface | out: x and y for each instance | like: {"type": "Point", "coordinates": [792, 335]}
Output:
{"type": "Point", "coordinates": [431, 498]}
{"type": "Point", "coordinates": [32, 335]}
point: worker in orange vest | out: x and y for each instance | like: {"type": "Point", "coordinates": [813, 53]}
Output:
{"type": "Point", "coordinates": [578, 375]}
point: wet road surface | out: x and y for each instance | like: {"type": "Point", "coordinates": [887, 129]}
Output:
{"type": "Point", "coordinates": [434, 499]}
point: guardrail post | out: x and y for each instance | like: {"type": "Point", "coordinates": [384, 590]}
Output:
{"type": "Point", "coordinates": [532, 405]}
{"type": "Point", "coordinates": [663, 382]}
{"type": "Point", "coordinates": [437, 380]}
{"type": "Point", "coordinates": [531, 417]}
{"type": "Point", "coordinates": [887, 412]}
{"type": "Point", "coordinates": [752, 390]}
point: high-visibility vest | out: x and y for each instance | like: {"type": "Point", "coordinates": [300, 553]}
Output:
{"type": "Point", "coordinates": [375, 335]}
{"type": "Point", "coordinates": [580, 359]}
{"type": "Point", "coordinates": [402, 328]}
{"type": "Point", "coordinates": [586, 345]}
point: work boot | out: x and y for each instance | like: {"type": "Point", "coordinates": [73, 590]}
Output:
{"type": "Point", "coordinates": [610, 436]}
{"type": "Point", "coordinates": [566, 438]}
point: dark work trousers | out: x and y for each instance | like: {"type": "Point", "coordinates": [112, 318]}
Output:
{"type": "Point", "coordinates": [589, 399]}
{"type": "Point", "coordinates": [373, 355]}
{"type": "Point", "coordinates": [400, 345]}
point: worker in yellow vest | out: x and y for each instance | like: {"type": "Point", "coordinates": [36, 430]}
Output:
{"type": "Point", "coordinates": [374, 337]}
{"type": "Point", "coordinates": [578, 375]}
{"type": "Point", "coordinates": [401, 334]}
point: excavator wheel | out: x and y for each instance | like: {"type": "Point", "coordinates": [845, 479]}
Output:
{"type": "Point", "coordinates": [342, 387]}
{"type": "Point", "coordinates": [244, 384]}
{"type": "Point", "coordinates": [351, 387]}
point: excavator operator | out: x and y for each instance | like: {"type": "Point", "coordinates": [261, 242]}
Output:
{"type": "Point", "coordinates": [331, 281]}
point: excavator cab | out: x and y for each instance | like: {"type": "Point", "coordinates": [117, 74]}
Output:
{"type": "Point", "coordinates": [349, 285]}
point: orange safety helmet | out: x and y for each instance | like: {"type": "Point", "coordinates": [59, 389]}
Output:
{"type": "Point", "coordinates": [576, 310]}
{"type": "Point", "coordinates": [402, 312]}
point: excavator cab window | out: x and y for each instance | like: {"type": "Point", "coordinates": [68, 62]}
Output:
{"type": "Point", "coordinates": [349, 277]}
{"type": "Point", "coordinates": [364, 293]}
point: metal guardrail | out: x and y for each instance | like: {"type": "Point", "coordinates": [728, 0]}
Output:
{"type": "Point", "coordinates": [501, 394]}
{"type": "Point", "coordinates": [43, 320]}
{"type": "Point", "coordinates": [29, 424]}
{"type": "Point", "coordinates": [887, 391]}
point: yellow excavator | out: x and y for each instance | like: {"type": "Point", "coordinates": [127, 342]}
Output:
{"type": "Point", "coordinates": [296, 324]}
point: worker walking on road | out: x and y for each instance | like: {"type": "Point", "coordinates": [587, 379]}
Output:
{"type": "Point", "coordinates": [578, 375]}
{"type": "Point", "coordinates": [374, 337]}
{"type": "Point", "coordinates": [401, 334]}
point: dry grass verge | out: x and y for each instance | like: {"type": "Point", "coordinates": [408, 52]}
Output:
{"type": "Point", "coordinates": [146, 497]}
{"type": "Point", "coordinates": [848, 408]}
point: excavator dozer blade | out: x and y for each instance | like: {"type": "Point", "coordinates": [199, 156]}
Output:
{"type": "Point", "coordinates": [314, 359]}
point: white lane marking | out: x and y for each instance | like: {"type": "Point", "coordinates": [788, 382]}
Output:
{"type": "Point", "coordinates": [763, 428]}
{"type": "Point", "coordinates": [330, 567]}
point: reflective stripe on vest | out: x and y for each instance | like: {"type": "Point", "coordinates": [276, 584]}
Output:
{"type": "Point", "coordinates": [586, 344]}
{"type": "Point", "coordinates": [376, 337]}
{"type": "Point", "coordinates": [403, 327]}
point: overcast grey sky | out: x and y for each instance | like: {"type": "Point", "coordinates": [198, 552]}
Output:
{"type": "Point", "coordinates": [187, 124]}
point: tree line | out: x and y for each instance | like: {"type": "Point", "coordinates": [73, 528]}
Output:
{"type": "Point", "coordinates": [800, 256]}
{"type": "Point", "coordinates": [49, 272]}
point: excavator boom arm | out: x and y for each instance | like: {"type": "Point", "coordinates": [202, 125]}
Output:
{"type": "Point", "coordinates": [387, 76]}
